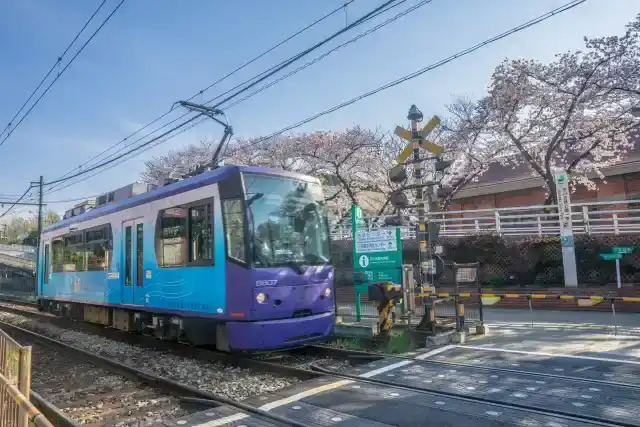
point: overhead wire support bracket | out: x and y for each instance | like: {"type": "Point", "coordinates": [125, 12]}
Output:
{"type": "Point", "coordinates": [212, 112]}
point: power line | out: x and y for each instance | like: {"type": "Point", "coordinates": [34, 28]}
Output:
{"type": "Point", "coordinates": [200, 92]}
{"type": "Point", "coordinates": [324, 55]}
{"type": "Point", "coordinates": [272, 71]}
{"type": "Point", "coordinates": [98, 172]}
{"type": "Point", "coordinates": [418, 73]}
{"type": "Point", "coordinates": [284, 64]}
{"type": "Point", "coordinates": [359, 36]}
{"type": "Point", "coordinates": [108, 162]}
{"type": "Point", "coordinates": [16, 202]}
{"type": "Point", "coordinates": [415, 74]}
{"type": "Point", "coordinates": [53, 67]}
{"type": "Point", "coordinates": [86, 43]}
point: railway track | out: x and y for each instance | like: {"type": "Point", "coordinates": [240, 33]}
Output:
{"type": "Point", "coordinates": [91, 395]}
{"type": "Point", "coordinates": [168, 395]}
{"type": "Point", "coordinates": [281, 362]}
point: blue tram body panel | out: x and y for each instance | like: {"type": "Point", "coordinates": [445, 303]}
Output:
{"type": "Point", "coordinates": [262, 306]}
{"type": "Point", "coordinates": [188, 289]}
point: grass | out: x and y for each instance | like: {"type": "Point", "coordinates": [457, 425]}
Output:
{"type": "Point", "coordinates": [393, 344]}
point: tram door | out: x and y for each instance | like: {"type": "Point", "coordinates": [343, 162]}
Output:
{"type": "Point", "coordinates": [132, 274]}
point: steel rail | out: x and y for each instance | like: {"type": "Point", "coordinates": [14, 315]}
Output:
{"type": "Point", "coordinates": [175, 388]}
{"type": "Point", "coordinates": [193, 395]}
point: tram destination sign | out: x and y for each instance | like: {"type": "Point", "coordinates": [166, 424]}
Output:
{"type": "Point", "coordinates": [376, 253]}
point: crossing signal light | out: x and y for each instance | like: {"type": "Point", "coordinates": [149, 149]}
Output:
{"type": "Point", "coordinates": [398, 174]}
{"type": "Point", "coordinates": [444, 191]}
{"type": "Point", "coordinates": [441, 165]}
{"type": "Point", "coordinates": [395, 221]}
{"type": "Point", "coordinates": [399, 199]}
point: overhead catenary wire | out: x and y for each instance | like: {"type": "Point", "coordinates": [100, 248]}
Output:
{"type": "Point", "coordinates": [86, 43]}
{"type": "Point", "coordinates": [352, 40]}
{"type": "Point", "coordinates": [13, 204]}
{"type": "Point", "coordinates": [324, 55]}
{"type": "Point", "coordinates": [460, 54]}
{"type": "Point", "coordinates": [221, 79]}
{"type": "Point", "coordinates": [521, 27]}
{"type": "Point", "coordinates": [273, 71]}
{"type": "Point", "coordinates": [184, 129]}
{"type": "Point", "coordinates": [53, 67]}
{"type": "Point", "coordinates": [415, 74]}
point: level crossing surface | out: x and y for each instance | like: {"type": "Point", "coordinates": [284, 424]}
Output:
{"type": "Point", "coordinates": [454, 385]}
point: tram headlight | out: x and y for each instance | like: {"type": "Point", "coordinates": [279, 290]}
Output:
{"type": "Point", "coordinates": [261, 298]}
{"type": "Point", "coordinates": [327, 292]}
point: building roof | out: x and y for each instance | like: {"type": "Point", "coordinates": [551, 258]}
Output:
{"type": "Point", "coordinates": [500, 178]}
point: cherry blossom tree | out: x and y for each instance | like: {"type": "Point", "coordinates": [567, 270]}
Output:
{"type": "Point", "coordinates": [470, 143]}
{"type": "Point", "coordinates": [571, 114]}
{"type": "Point", "coordinates": [352, 165]}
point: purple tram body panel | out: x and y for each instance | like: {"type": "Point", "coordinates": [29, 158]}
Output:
{"type": "Point", "coordinates": [296, 309]}
{"type": "Point", "coordinates": [275, 334]}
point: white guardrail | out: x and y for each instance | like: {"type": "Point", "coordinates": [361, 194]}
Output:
{"type": "Point", "coordinates": [617, 217]}
{"type": "Point", "coordinates": [18, 248]}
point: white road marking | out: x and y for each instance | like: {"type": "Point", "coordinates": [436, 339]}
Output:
{"type": "Point", "coordinates": [385, 369]}
{"type": "Point", "coordinates": [222, 421]}
{"type": "Point", "coordinates": [434, 352]}
{"type": "Point", "coordinates": [306, 393]}
{"type": "Point", "coordinates": [536, 353]}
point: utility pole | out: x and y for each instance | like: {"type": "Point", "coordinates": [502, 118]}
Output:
{"type": "Point", "coordinates": [40, 185]}
{"type": "Point", "coordinates": [415, 116]}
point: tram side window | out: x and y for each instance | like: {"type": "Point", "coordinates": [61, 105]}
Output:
{"type": "Point", "coordinates": [234, 229]}
{"type": "Point", "coordinates": [98, 249]}
{"type": "Point", "coordinates": [201, 234]}
{"type": "Point", "coordinates": [185, 235]}
{"type": "Point", "coordinates": [82, 251]}
{"type": "Point", "coordinates": [57, 259]}
{"type": "Point", "coordinates": [46, 264]}
{"type": "Point", "coordinates": [172, 237]}
{"type": "Point", "coordinates": [74, 255]}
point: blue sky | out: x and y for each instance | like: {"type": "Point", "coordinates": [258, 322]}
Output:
{"type": "Point", "coordinates": [155, 52]}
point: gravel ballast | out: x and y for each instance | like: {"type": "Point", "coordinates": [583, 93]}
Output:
{"type": "Point", "coordinates": [93, 396]}
{"type": "Point", "coordinates": [214, 377]}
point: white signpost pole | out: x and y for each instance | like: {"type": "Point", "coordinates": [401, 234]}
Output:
{"type": "Point", "coordinates": [566, 230]}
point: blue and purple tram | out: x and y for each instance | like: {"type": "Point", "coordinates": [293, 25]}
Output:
{"type": "Point", "coordinates": [237, 257]}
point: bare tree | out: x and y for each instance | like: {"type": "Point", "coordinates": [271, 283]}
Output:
{"type": "Point", "coordinates": [573, 113]}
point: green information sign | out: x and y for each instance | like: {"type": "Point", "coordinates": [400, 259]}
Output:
{"type": "Point", "coordinates": [611, 257]}
{"type": "Point", "coordinates": [376, 253]}
{"type": "Point", "coordinates": [623, 249]}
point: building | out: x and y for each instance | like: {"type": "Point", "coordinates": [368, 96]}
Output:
{"type": "Point", "coordinates": [504, 187]}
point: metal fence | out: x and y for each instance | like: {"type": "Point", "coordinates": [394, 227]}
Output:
{"type": "Point", "coordinates": [444, 307]}
{"type": "Point", "coordinates": [618, 217]}
{"type": "Point", "coordinates": [18, 248]}
{"type": "Point", "coordinates": [15, 386]}
{"type": "Point", "coordinates": [22, 288]}
{"type": "Point", "coordinates": [18, 262]}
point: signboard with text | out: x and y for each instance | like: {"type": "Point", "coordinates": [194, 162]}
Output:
{"type": "Point", "coordinates": [566, 229]}
{"type": "Point", "coordinates": [376, 253]}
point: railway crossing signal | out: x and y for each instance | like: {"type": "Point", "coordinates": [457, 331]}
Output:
{"type": "Point", "coordinates": [419, 138]}
{"type": "Point", "coordinates": [417, 142]}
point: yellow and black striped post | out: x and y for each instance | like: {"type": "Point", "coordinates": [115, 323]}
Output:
{"type": "Point", "coordinates": [386, 307]}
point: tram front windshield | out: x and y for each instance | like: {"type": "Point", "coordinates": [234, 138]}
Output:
{"type": "Point", "coordinates": [288, 217]}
